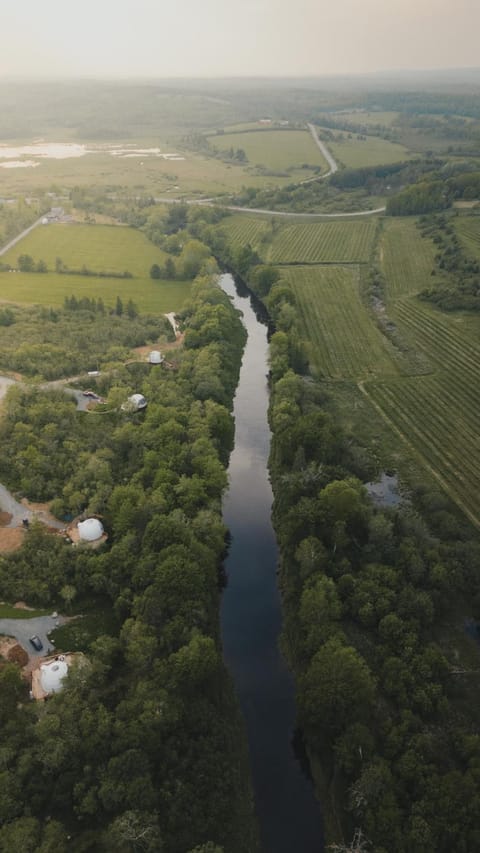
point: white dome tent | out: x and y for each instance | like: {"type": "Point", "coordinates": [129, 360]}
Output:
{"type": "Point", "coordinates": [155, 357]}
{"type": "Point", "coordinates": [90, 530]}
{"type": "Point", "coordinates": [135, 403]}
{"type": "Point", "coordinates": [52, 675]}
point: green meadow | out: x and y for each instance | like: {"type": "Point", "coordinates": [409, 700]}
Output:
{"type": "Point", "coordinates": [100, 248]}
{"type": "Point", "coordinates": [355, 153]}
{"type": "Point", "coordinates": [275, 149]}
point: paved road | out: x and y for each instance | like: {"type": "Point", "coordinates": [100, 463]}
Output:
{"type": "Point", "coordinates": [284, 213]}
{"type": "Point", "coordinates": [20, 236]}
{"type": "Point", "coordinates": [22, 629]}
{"type": "Point", "coordinates": [326, 153]}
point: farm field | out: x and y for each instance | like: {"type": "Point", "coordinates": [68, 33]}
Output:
{"type": "Point", "coordinates": [439, 418]}
{"type": "Point", "coordinates": [312, 242]}
{"type": "Point", "coordinates": [468, 230]}
{"type": "Point", "coordinates": [372, 151]}
{"type": "Point", "coordinates": [324, 242]}
{"type": "Point", "coordinates": [437, 415]}
{"type": "Point", "coordinates": [274, 149]}
{"type": "Point", "coordinates": [98, 247]}
{"type": "Point", "coordinates": [426, 422]}
{"type": "Point", "coordinates": [345, 343]}
{"type": "Point", "coordinates": [408, 258]}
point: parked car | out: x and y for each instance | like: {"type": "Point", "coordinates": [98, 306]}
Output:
{"type": "Point", "coordinates": [36, 643]}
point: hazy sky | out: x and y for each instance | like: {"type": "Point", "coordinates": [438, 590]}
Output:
{"type": "Point", "coordinates": [156, 38]}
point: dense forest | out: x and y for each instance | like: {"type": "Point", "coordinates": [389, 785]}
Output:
{"type": "Point", "coordinates": [146, 735]}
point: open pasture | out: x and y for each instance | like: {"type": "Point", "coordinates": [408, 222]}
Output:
{"type": "Point", "coordinates": [344, 342]}
{"type": "Point", "coordinates": [355, 153]}
{"type": "Point", "coordinates": [275, 149]}
{"type": "Point", "coordinates": [99, 247]}
{"type": "Point", "coordinates": [195, 175]}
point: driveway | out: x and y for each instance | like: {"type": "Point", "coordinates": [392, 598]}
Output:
{"type": "Point", "coordinates": [22, 629]}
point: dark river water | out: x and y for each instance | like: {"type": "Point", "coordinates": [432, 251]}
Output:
{"type": "Point", "coordinates": [288, 813]}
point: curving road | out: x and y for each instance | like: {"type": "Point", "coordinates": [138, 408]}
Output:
{"type": "Point", "coordinates": [326, 153]}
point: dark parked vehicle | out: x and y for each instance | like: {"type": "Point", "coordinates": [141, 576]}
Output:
{"type": "Point", "coordinates": [36, 643]}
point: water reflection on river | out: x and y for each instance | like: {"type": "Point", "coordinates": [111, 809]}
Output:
{"type": "Point", "coordinates": [289, 815]}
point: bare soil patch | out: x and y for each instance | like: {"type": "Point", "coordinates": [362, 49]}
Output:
{"type": "Point", "coordinates": [5, 518]}
{"type": "Point", "coordinates": [11, 538]}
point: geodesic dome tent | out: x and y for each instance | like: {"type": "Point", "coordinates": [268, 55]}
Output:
{"type": "Point", "coordinates": [90, 529]}
{"type": "Point", "coordinates": [135, 403]}
{"type": "Point", "coordinates": [52, 674]}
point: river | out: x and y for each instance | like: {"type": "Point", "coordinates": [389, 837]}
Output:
{"type": "Point", "coordinates": [288, 813]}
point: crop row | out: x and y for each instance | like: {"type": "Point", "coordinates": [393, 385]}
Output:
{"type": "Point", "coordinates": [344, 341]}
{"type": "Point", "coordinates": [244, 230]}
{"type": "Point", "coordinates": [323, 242]}
{"type": "Point", "coordinates": [437, 336]}
{"type": "Point", "coordinates": [408, 258]}
{"type": "Point", "coordinates": [468, 229]}
{"type": "Point", "coordinates": [441, 430]}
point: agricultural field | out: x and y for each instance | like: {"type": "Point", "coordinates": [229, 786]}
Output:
{"type": "Point", "coordinates": [438, 418]}
{"type": "Point", "coordinates": [344, 342]}
{"type": "Point", "coordinates": [408, 258]}
{"type": "Point", "coordinates": [99, 247]}
{"type": "Point", "coordinates": [324, 242]}
{"type": "Point", "coordinates": [339, 241]}
{"type": "Point", "coordinates": [278, 150]}
{"type": "Point", "coordinates": [370, 151]}
{"type": "Point", "coordinates": [241, 229]}
{"type": "Point", "coordinates": [436, 415]}
{"type": "Point", "coordinates": [468, 230]}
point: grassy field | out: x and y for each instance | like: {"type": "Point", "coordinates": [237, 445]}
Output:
{"type": "Point", "coordinates": [99, 247]}
{"type": "Point", "coordinates": [344, 342]}
{"type": "Point", "coordinates": [275, 149]}
{"type": "Point", "coordinates": [408, 258]}
{"type": "Point", "coordinates": [468, 230]}
{"type": "Point", "coordinates": [370, 151]}
{"type": "Point", "coordinates": [195, 175]}
{"type": "Point", "coordinates": [313, 242]}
